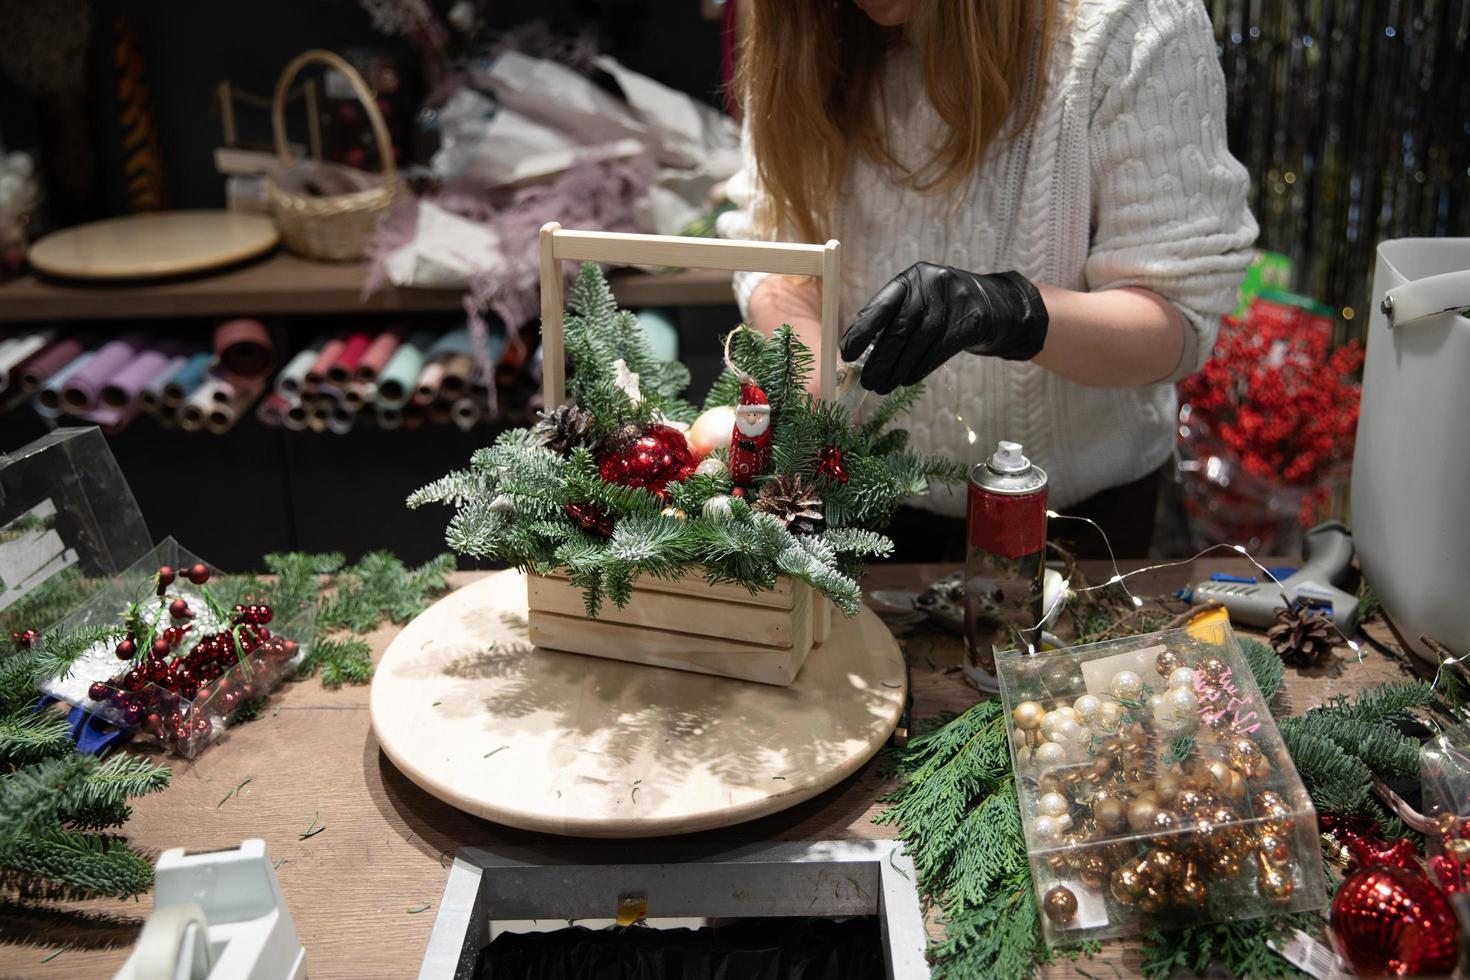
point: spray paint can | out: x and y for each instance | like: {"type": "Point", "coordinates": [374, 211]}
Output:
{"type": "Point", "coordinates": [1005, 559]}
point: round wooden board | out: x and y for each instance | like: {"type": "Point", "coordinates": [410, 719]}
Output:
{"type": "Point", "coordinates": [566, 744]}
{"type": "Point", "coordinates": [151, 246]}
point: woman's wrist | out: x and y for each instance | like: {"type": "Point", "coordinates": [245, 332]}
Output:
{"type": "Point", "coordinates": [1112, 338]}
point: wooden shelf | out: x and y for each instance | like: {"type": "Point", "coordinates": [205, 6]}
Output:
{"type": "Point", "coordinates": [283, 284]}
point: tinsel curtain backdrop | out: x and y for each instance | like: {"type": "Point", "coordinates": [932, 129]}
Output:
{"type": "Point", "coordinates": [1353, 117]}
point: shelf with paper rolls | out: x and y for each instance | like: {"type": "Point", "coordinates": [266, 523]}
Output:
{"type": "Point", "coordinates": [401, 375]}
{"type": "Point", "coordinates": [284, 284]}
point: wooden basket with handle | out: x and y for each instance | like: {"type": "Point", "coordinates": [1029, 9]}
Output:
{"type": "Point", "coordinates": [685, 624]}
{"type": "Point", "coordinates": [334, 226]}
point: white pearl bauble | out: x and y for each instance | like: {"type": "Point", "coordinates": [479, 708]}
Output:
{"type": "Point", "coordinates": [1111, 715]}
{"type": "Point", "coordinates": [712, 466]}
{"type": "Point", "coordinates": [712, 430]}
{"type": "Point", "coordinates": [1053, 804]}
{"type": "Point", "coordinates": [1049, 754]}
{"type": "Point", "coordinates": [1066, 731]}
{"type": "Point", "coordinates": [1182, 702]}
{"type": "Point", "coordinates": [1182, 677]}
{"type": "Point", "coordinates": [1047, 828]}
{"type": "Point", "coordinates": [1050, 721]}
{"type": "Point", "coordinates": [1126, 685]}
{"type": "Point", "coordinates": [718, 508]}
{"type": "Point", "coordinates": [1087, 708]}
{"type": "Point", "coordinates": [1068, 711]}
{"type": "Point", "coordinates": [1156, 705]}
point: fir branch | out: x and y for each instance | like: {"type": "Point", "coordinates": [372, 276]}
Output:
{"type": "Point", "coordinates": [340, 661]}
{"type": "Point", "coordinates": [29, 736]}
{"type": "Point", "coordinates": [1266, 667]}
{"type": "Point", "coordinates": [100, 798]}
{"type": "Point", "coordinates": [1241, 947]}
{"type": "Point", "coordinates": [30, 797]}
{"type": "Point", "coordinates": [89, 863]}
{"type": "Point", "coordinates": [59, 651]}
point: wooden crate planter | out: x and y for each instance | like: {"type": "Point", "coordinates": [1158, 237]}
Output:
{"type": "Point", "coordinates": [685, 624]}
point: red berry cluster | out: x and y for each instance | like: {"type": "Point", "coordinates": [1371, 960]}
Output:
{"type": "Point", "coordinates": [1277, 398]}
{"type": "Point", "coordinates": [150, 695]}
{"type": "Point", "coordinates": [25, 639]}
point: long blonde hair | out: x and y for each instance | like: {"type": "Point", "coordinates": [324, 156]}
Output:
{"type": "Point", "coordinates": [808, 81]}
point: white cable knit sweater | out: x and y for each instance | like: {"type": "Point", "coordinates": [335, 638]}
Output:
{"type": "Point", "coordinates": [1122, 178]}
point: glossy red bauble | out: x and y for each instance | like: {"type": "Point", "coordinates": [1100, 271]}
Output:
{"type": "Point", "coordinates": [161, 646]}
{"type": "Point", "coordinates": [653, 460]}
{"type": "Point", "coordinates": [99, 691]}
{"type": "Point", "coordinates": [1389, 921]}
{"type": "Point", "coordinates": [126, 649]}
{"type": "Point", "coordinates": [179, 609]}
{"type": "Point", "coordinates": [198, 574]}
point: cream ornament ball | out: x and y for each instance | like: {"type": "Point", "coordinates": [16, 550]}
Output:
{"type": "Point", "coordinates": [717, 508]}
{"type": "Point", "coordinates": [711, 466]}
{"type": "Point", "coordinates": [712, 430]}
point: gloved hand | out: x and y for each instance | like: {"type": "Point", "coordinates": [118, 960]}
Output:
{"type": "Point", "coordinates": [929, 313]}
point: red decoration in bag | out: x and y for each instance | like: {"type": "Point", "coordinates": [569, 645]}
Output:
{"type": "Point", "coordinates": [829, 464]}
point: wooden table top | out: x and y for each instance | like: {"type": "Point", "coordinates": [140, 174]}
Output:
{"type": "Point", "coordinates": [312, 756]}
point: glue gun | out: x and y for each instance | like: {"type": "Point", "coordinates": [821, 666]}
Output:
{"type": "Point", "coordinates": [1328, 553]}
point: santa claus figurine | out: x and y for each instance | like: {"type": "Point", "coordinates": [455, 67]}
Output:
{"type": "Point", "coordinates": [750, 444]}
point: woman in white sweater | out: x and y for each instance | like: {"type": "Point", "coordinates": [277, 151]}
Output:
{"type": "Point", "coordinates": [1037, 211]}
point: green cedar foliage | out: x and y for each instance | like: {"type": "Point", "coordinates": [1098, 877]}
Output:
{"type": "Point", "coordinates": [510, 504]}
{"type": "Point", "coordinates": [955, 808]}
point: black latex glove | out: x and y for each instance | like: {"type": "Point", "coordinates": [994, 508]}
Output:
{"type": "Point", "coordinates": [929, 313]}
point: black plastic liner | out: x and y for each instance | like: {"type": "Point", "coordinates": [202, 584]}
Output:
{"type": "Point", "coordinates": [747, 949]}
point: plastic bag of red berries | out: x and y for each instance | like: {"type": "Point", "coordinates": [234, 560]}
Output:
{"type": "Point", "coordinates": [182, 651]}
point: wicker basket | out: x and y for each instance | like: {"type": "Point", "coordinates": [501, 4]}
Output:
{"type": "Point", "coordinates": [336, 226]}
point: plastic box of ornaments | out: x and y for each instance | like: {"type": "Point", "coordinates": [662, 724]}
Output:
{"type": "Point", "coordinates": [185, 650]}
{"type": "Point", "coordinates": [1154, 788]}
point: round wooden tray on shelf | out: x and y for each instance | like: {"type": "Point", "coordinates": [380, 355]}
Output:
{"type": "Point", "coordinates": [566, 744]}
{"type": "Point", "coordinates": [154, 246]}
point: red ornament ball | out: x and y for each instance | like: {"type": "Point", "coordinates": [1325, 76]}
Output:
{"type": "Point", "coordinates": [198, 574]}
{"type": "Point", "coordinates": [179, 609]}
{"type": "Point", "coordinates": [1389, 921]}
{"type": "Point", "coordinates": [99, 691]}
{"type": "Point", "coordinates": [653, 460]}
{"type": "Point", "coordinates": [161, 647]}
{"type": "Point", "coordinates": [134, 680]}
{"type": "Point", "coordinates": [590, 518]}
{"type": "Point", "coordinates": [165, 576]}
{"type": "Point", "coordinates": [126, 649]}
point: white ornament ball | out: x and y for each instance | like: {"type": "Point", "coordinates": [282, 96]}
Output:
{"type": "Point", "coordinates": [1049, 723]}
{"type": "Point", "coordinates": [717, 508]}
{"type": "Point", "coordinates": [1066, 731]}
{"type": "Point", "coordinates": [1047, 828]}
{"type": "Point", "coordinates": [1156, 706]}
{"type": "Point", "coordinates": [712, 466]}
{"type": "Point", "coordinates": [1183, 704]}
{"type": "Point", "coordinates": [1126, 685]}
{"type": "Point", "coordinates": [1049, 754]}
{"type": "Point", "coordinates": [1182, 677]}
{"type": "Point", "coordinates": [1087, 708]}
{"type": "Point", "coordinates": [1111, 715]}
{"type": "Point", "coordinates": [712, 430]}
{"type": "Point", "coordinates": [1053, 804]}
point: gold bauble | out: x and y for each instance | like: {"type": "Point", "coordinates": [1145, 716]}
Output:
{"type": "Point", "coordinates": [1164, 862]}
{"type": "Point", "coordinates": [1127, 886]}
{"type": "Point", "coordinates": [1101, 766]}
{"type": "Point", "coordinates": [1093, 869]}
{"type": "Point", "coordinates": [1235, 787]}
{"type": "Point", "coordinates": [1189, 799]}
{"type": "Point", "coordinates": [1275, 847]}
{"type": "Point", "coordinates": [1274, 883]}
{"type": "Point", "coordinates": [1141, 814]}
{"type": "Point", "coordinates": [1153, 898]}
{"type": "Point", "coordinates": [1060, 904]}
{"type": "Point", "coordinates": [1049, 783]}
{"type": "Point", "coordinates": [1212, 669]}
{"type": "Point", "coordinates": [1266, 798]}
{"type": "Point", "coordinates": [1189, 892]}
{"type": "Point", "coordinates": [1111, 815]}
{"type": "Point", "coordinates": [1027, 716]}
{"type": "Point", "coordinates": [1224, 864]}
{"type": "Point", "coordinates": [1163, 827]}
{"type": "Point", "coordinates": [674, 512]}
{"type": "Point", "coordinates": [1458, 848]}
{"type": "Point", "coordinates": [1245, 755]}
{"type": "Point", "coordinates": [1167, 786]}
{"type": "Point", "coordinates": [1167, 662]}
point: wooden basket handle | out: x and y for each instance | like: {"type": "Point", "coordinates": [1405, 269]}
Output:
{"type": "Point", "coordinates": [559, 245]}
{"type": "Point", "coordinates": [360, 89]}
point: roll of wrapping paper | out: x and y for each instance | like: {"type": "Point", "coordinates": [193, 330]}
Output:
{"type": "Point", "coordinates": [222, 415]}
{"type": "Point", "coordinates": [413, 415]}
{"type": "Point", "coordinates": [662, 337]}
{"type": "Point", "coordinates": [325, 358]}
{"type": "Point", "coordinates": [244, 352]}
{"type": "Point", "coordinates": [426, 389]}
{"type": "Point", "coordinates": [48, 399]}
{"type": "Point", "coordinates": [189, 378]}
{"type": "Point", "coordinates": [271, 410]}
{"type": "Point", "coordinates": [341, 371]}
{"type": "Point", "coordinates": [389, 417]}
{"type": "Point", "coordinates": [195, 408]}
{"type": "Point", "coordinates": [399, 376]}
{"type": "Point", "coordinates": [438, 410]}
{"type": "Point", "coordinates": [293, 376]}
{"type": "Point", "coordinates": [466, 412]}
{"type": "Point", "coordinates": [296, 415]}
{"type": "Point", "coordinates": [150, 399]}
{"type": "Point", "coordinates": [377, 355]}
{"type": "Point", "coordinates": [82, 390]}
{"type": "Point", "coordinates": [17, 351]}
{"type": "Point", "coordinates": [47, 361]}
{"type": "Point", "coordinates": [456, 380]}
{"type": "Point", "coordinates": [340, 419]}
{"type": "Point", "coordinates": [225, 390]}
{"type": "Point", "coordinates": [456, 341]}
{"type": "Point", "coordinates": [111, 420]}
{"type": "Point", "coordinates": [355, 395]}
{"type": "Point", "coordinates": [123, 389]}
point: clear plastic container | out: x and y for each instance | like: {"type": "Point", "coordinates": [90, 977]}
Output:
{"type": "Point", "coordinates": [1154, 788]}
{"type": "Point", "coordinates": [1444, 771]}
{"type": "Point", "coordinates": [185, 718]}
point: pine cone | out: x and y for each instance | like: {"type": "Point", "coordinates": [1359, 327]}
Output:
{"type": "Point", "coordinates": [564, 428]}
{"type": "Point", "coordinates": [797, 504]}
{"type": "Point", "coordinates": [1302, 636]}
